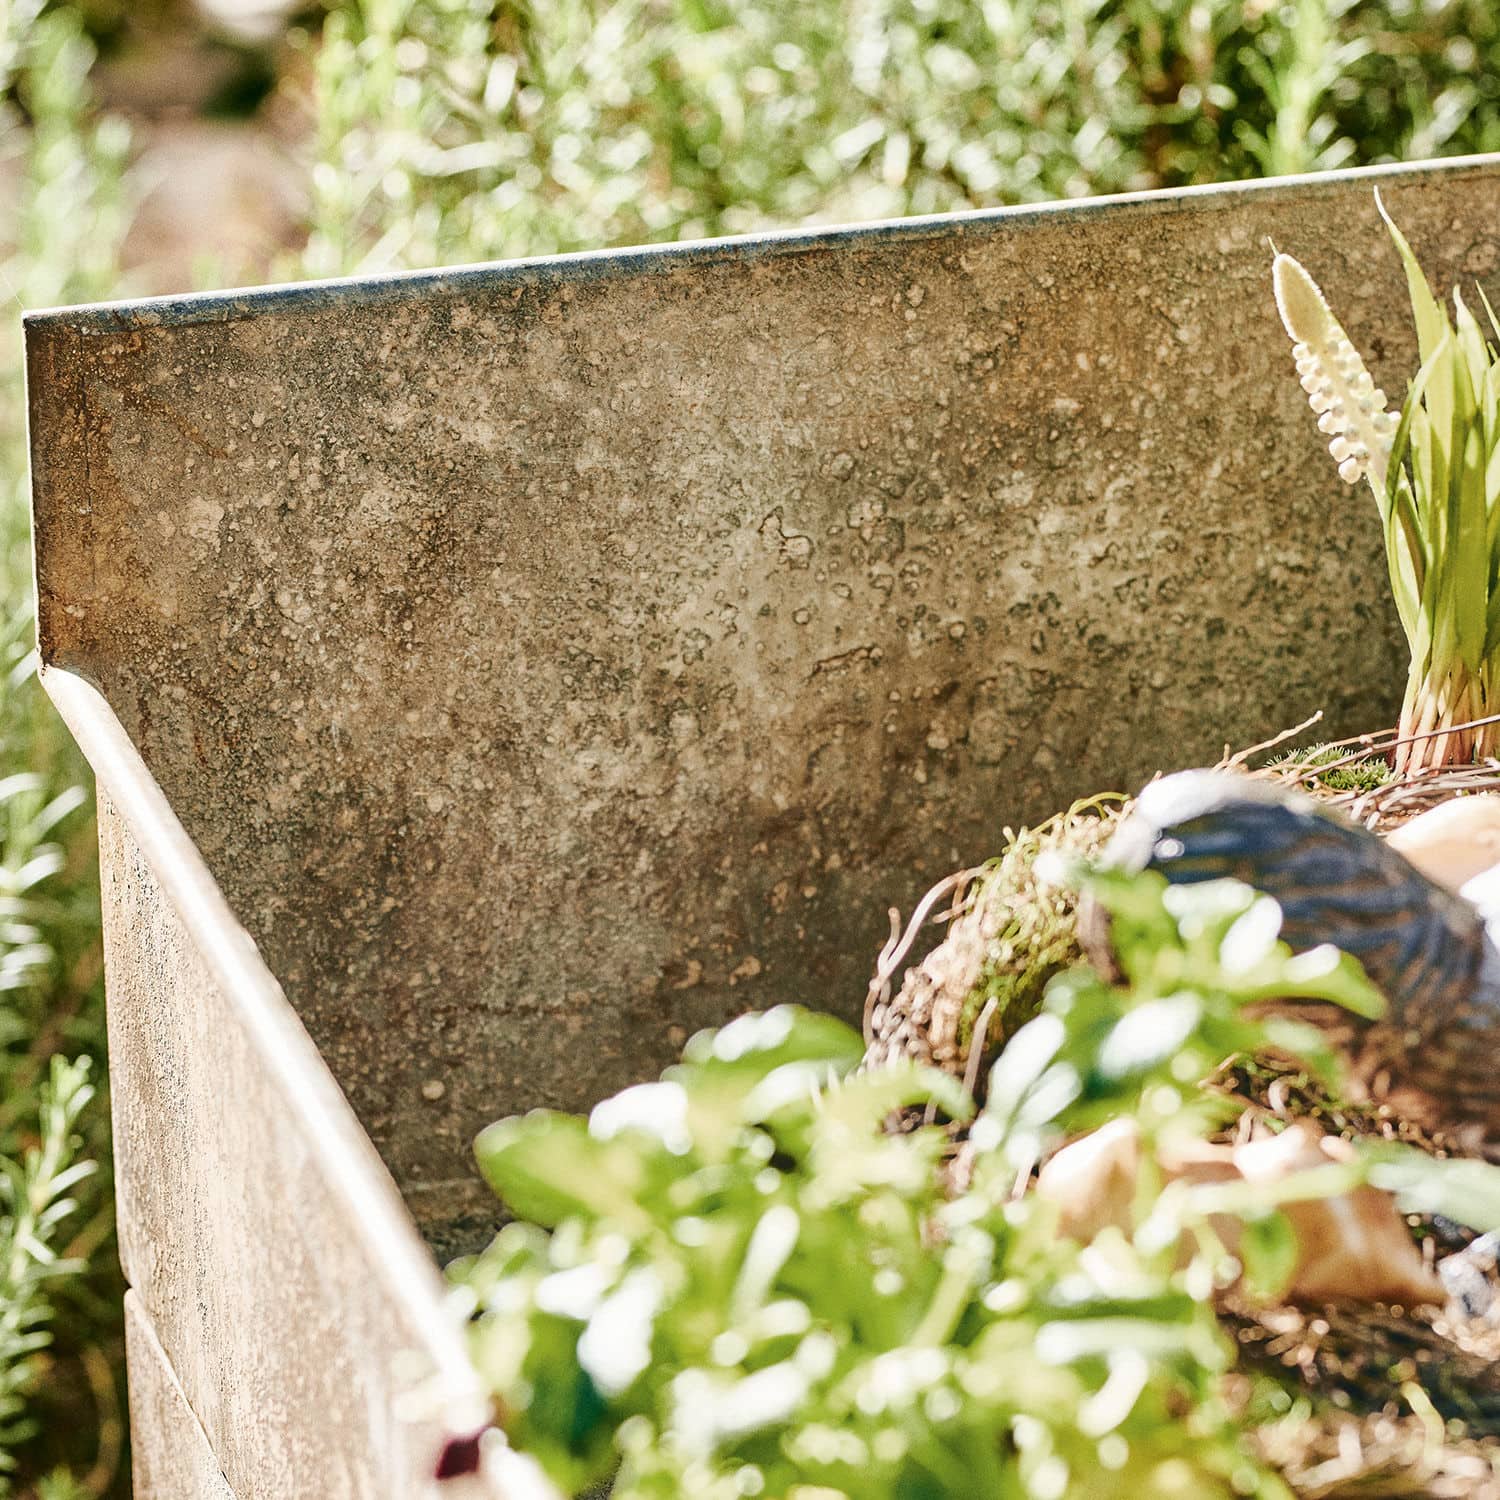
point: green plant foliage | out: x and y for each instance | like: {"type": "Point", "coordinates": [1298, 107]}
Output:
{"type": "Point", "coordinates": [1466, 1191]}
{"type": "Point", "coordinates": [459, 129]}
{"type": "Point", "coordinates": [1348, 775]}
{"type": "Point", "coordinates": [1435, 473]}
{"type": "Point", "coordinates": [55, 1284]}
{"type": "Point", "coordinates": [1442, 509]}
{"type": "Point", "coordinates": [1193, 957]}
{"type": "Point", "coordinates": [35, 1200]}
{"type": "Point", "coordinates": [735, 1282]}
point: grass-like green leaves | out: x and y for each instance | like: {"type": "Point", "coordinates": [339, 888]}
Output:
{"type": "Point", "coordinates": [59, 1283]}
{"type": "Point", "coordinates": [737, 1283]}
{"type": "Point", "coordinates": [36, 1198]}
{"type": "Point", "coordinates": [1442, 510]}
{"type": "Point", "coordinates": [1435, 474]}
{"type": "Point", "coordinates": [1343, 773]}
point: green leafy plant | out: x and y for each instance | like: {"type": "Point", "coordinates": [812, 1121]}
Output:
{"type": "Point", "coordinates": [36, 1197]}
{"type": "Point", "coordinates": [735, 1282]}
{"type": "Point", "coordinates": [457, 129]}
{"type": "Point", "coordinates": [1435, 474]}
{"type": "Point", "coordinates": [59, 1287]}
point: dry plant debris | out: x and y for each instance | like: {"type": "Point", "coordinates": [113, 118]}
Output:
{"type": "Point", "coordinates": [1009, 930]}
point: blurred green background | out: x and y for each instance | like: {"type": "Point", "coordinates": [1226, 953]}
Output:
{"type": "Point", "coordinates": [161, 145]}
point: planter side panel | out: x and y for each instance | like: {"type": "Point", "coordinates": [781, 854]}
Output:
{"type": "Point", "coordinates": [169, 1455]}
{"type": "Point", "coordinates": [552, 659]}
{"type": "Point", "coordinates": [254, 1275]}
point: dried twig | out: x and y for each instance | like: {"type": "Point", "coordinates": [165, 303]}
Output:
{"type": "Point", "coordinates": [1233, 761]}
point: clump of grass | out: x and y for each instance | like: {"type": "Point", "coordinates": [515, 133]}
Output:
{"type": "Point", "coordinates": [1435, 474]}
{"type": "Point", "coordinates": [1367, 774]}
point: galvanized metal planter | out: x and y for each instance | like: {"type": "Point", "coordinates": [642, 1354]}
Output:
{"type": "Point", "coordinates": [494, 675]}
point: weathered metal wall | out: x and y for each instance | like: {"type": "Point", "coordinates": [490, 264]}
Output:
{"type": "Point", "coordinates": [170, 1455]}
{"type": "Point", "coordinates": [279, 1293]}
{"type": "Point", "coordinates": [227, 1223]}
{"type": "Point", "coordinates": [551, 659]}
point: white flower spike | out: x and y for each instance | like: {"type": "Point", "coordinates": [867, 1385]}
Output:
{"type": "Point", "coordinates": [1350, 406]}
{"type": "Point", "coordinates": [1438, 497]}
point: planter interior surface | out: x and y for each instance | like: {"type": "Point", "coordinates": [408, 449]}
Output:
{"type": "Point", "coordinates": [553, 658]}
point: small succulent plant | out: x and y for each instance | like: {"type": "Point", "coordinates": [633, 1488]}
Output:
{"type": "Point", "coordinates": [1435, 473]}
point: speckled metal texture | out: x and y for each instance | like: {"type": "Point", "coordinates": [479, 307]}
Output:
{"type": "Point", "coordinates": [194, 1100]}
{"type": "Point", "coordinates": [551, 659]}
{"type": "Point", "coordinates": [170, 1456]}
{"type": "Point", "coordinates": [273, 1271]}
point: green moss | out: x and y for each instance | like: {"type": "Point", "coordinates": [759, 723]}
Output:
{"type": "Point", "coordinates": [1363, 775]}
{"type": "Point", "coordinates": [1033, 921]}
